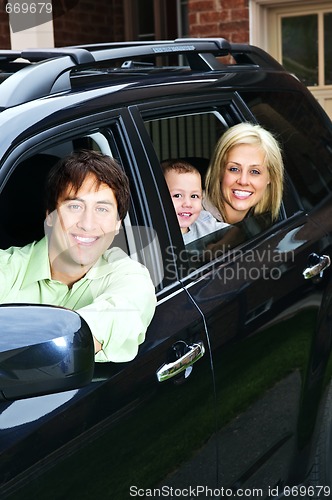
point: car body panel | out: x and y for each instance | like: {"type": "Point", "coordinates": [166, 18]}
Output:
{"type": "Point", "coordinates": [243, 416]}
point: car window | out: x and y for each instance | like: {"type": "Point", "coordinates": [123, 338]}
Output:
{"type": "Point", "coordinates": [22, 196]}
{"type": "Point", "coordinates": [21, 201]}
{"type": "Point", "coordinates": [23, 210]}
{"type": "Point", "coordinates": [306, 140]}
{"type": "Point", "coordinates": [192, 137]}
{"type": "Point", "coordinates": [186, 135]}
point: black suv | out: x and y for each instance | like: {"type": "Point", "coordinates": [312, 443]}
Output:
{"type": "Point", "coordinates": [230, 394]}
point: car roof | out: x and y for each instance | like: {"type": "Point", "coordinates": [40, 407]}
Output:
{"type": "Point", "coordinates": [35, 73]}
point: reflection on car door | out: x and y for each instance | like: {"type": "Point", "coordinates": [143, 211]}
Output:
{"type": "Point", "coordinates": [260, 313]}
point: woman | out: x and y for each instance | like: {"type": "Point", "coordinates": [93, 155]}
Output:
{"type": "Point", "coordinates": [245, 175]}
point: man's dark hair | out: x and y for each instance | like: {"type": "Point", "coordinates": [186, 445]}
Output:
{"type": "Point", "coordinates": [72, 171]}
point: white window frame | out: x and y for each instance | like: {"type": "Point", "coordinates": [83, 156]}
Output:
{"type": "Point", "coordinates": [39, 36]}
{"type": "Point", "coordinates": [264, 17]}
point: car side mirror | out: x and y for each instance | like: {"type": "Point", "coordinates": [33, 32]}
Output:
{"type": "Point", "coordinates": [43, 350]}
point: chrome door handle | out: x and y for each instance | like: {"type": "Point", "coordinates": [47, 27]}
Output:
{"type": "Point", "coordinates": [317, 265]}
{"type": "Point", "coordinates": [169, 370]}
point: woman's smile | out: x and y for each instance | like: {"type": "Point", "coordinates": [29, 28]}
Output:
{"type": "Point", "coordinates": [245, 180]}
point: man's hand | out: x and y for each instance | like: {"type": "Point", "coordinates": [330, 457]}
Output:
{"type": "Point", "coordinates": [98, 346]}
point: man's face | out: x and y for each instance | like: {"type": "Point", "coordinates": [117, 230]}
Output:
{"type": "Point", "coordinates": [83, 227]}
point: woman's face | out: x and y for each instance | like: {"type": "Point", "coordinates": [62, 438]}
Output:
{"type": "Point", "coordinates": [245, 180]}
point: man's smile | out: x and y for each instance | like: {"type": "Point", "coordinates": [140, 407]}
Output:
{"type": "Point", "coordinates": [85, 240]}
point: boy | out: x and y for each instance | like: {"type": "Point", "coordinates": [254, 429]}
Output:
{"type": "Point", "coordinates": [87, 196]}
{"type": "Point", "coordinates": [185, 186]}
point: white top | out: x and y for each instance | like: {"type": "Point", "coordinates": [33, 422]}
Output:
{"type": "Point", "coordinates": [203, 225]}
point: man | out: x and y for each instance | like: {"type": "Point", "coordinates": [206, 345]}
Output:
{"type": "Point", "coordinates": [87, 196]}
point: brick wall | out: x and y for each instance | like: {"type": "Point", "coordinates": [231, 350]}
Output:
{"type": "Point", "coordinates": [88, 22]}
{"type": "Point", "coordinates": [219, 18]}
{"type": "Point", "coordinates": [103, 21]}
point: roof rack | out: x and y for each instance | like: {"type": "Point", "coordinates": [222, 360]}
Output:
{"type": "Point", "coordinates": [47, 71]}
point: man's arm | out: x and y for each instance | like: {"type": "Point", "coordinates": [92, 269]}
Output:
{"type": "Point", "coordinates": [120, 315]}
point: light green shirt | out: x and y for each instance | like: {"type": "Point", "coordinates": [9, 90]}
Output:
{"type": "Point", "coordinates": [116, 297]}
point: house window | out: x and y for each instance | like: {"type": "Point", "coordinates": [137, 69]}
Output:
{"type": "Point", "coordinates": [145, 20]}
{"type": "Point", "coordinates": [328, 48]}
{"type": "Point", "coordinates": [299, 48]}
{"type": "Point", "coordinates": [155, 19]}
{"type": "Point", "coordinates": [305, 47]}
{"type": "Point", "coordinates": [298, 34]}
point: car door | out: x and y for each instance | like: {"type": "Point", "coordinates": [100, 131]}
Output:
{"type": "Point", "coordinates": [260, 313]}
{"type": "Point", "coordinates": [260, 310]}
{"type": "Point", "coordinates": [137, 422]}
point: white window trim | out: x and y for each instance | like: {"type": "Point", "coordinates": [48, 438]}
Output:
{"type": "Point", "coordinates": [258, 18]}
{"type": "Point", "coordinates": [41, 36]}
{"type": "Point", "coordinates": [263, 11]}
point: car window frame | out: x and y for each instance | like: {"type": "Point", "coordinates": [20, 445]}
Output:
{"type": "Point", "coordinates": [146, 211]}
{"type": "Point", "coordinates": [148, 112]}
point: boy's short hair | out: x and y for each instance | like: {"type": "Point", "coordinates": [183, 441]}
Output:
{"type": "Point", "coordinates": [73, 169]}
{"type": "Point", "coordinates": [178, 165]}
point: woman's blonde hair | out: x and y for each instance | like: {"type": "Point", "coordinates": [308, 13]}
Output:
{"type": "Point", "coordinates": [247, 133]}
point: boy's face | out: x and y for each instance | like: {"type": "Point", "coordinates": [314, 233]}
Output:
{"type": "Point", "coordinates": [186, 193]}
{"type": "Point", "coordinates": [83, 226]}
